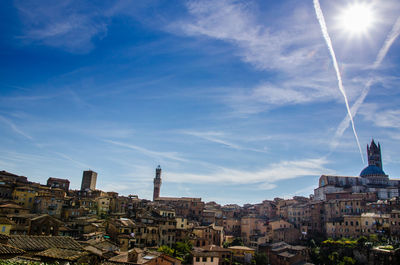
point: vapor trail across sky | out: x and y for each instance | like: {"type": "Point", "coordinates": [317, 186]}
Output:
{"type": "Point", "coordinates": [324, 29]}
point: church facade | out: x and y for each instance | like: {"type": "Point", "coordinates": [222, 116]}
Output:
{"type": "Point", "coordinates": [372, 179]}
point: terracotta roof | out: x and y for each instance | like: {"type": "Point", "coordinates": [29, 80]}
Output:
{"type": "Point", "coordinates": [57, 179]}
{"type": "Point", "coordinates": [47, 216]}
{"type": "Point", "coordinates": [123, 257]}
{"type": "Point", "coordinates": [241, 248]}
{"type": "Point", "coordinates": [143, 256]}
{"type": "Point", "coordinates": [63, 254]}
{"type": "Point", "coordinates": [298, 247]}
{"type": "Point", "coordinates": [214, 248]}
{"type": "Point", "coordinates": [5, 173]}
{"type": "Point", "coordinates": [279, 245]}
{"type": "Point", "coordinates": [286, 254]}
{"type": "Point", "coordinates": [125, 222]}
{"type": "Point", "coordinates": [38, 243]}
{"type": "Point", "coordinates": [178, 199]}
{"type": "Point", "coordinates": [64, 228]}
{"type": "Point", "coordinates": [93, 250]}
{"type": "Point", "coordinates": [4, 237]}
{"type": "Point", "coordinates": [116, 263]}
{"type": "Point", "coordinates": [11, 205]}
{"type": "Point", "coordinates": [7, 249]}
{"type": "Point", "coordinates": [196, 252]}
{"type": "Point", "coordinates": [5, 221]}
{"type": "Point", "coordinates": [105, 246]}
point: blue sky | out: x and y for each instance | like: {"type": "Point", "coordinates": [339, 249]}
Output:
{"type": "Point", "coordinates": [238, 101]}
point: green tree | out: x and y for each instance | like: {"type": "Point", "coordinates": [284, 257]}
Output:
{"type": "Point", "coordinates": [237, 241]}
{"type": "Point", "coordinates": [361, 241]}
{"type": "Point", "coordinates": [347, 261]}
{"type": "Point", "coordinates": [260, 259]}
{"type": "Point", "coordinates": [184, 251]}
{"type": "Point", "coordinates": [166, 250]}
{"type": "Point", "coordinates": [333, 258]}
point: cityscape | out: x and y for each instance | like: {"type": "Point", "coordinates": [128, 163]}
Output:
{"type": "Point", "coordinates": [199, 132]}
{"type": "Point", "coordinates": [52, 222]}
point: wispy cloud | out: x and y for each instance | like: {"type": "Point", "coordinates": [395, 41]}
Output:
{"type": "Point", "coordinates": [218, 137]}
{"type": "Point", "coordinates": [26, 98]}
{"type": "Point", "coordinates": [234, 22]}
{"type": "Point", "coordinates": [70, 25]}
{"type": "Point", "coordinates": [266, 178]}
{"type": "Point", "coordinates": [391, 37]}
{"type": "Point", "coordinates": [77, 163]}
{"type": "Point", "coordinates": [291, 49]}
{"type": "Point", "coordinates": [15, 128]}
{"type": "Point", "coordinates": [344, 124]}
{"type": "Point", "coordinates": [290, 92]}
{"type": "Point", "coordinates": [147, 152]}
{"type": "Point", "coordinates": [386, 118]}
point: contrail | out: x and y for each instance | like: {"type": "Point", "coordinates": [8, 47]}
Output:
{"type": "Point", "coordinates": [324, 29]}
{"type": "Point", "coordinates": [354, 109]}
{"type": "Point", "coordinates": [391, 37]}
{"type": "Point", "coordinates": [394, 33]}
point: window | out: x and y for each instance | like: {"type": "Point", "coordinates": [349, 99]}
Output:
{"type": "Point", "coordinates": [3, 229]}
{"type": "Point", "coordinates": [212, 259]}
{"type": "Point", "coordinates": [198, 259]}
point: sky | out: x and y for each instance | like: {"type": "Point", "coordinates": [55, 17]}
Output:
{"type": "Point", "coordinates": [238, 101]}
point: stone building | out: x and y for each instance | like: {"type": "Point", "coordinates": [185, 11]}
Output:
{"type": "Point", "coordinates": [89, 179]}
{"type": "Point", "coordinates": [207, 235]}
{"type": "Point", "coordinates": [353, 226]}
{"type": "Point", "coordinates": [58, 183]}
{"type": "Point", "coordinates": [157, 184]}
{"type": "Point", "coordinates": [372, 179]}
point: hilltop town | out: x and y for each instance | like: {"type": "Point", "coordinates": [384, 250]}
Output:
{"type": "Point", "coordinates": [48, 223]}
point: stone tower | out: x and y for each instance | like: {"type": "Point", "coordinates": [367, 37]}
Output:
{"type": "Point", "coordinates": [157, 183]}
{"type": "Point", "coordinates": [374, 154]}
{"type": "Point", "coordinates": [89, 179]}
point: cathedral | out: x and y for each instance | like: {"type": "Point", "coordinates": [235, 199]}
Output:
{"type": "Point", "coordinates": [372, 179]}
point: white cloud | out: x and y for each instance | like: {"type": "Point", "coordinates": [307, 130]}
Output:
{"type": "Point", "coordinates": [78, 164]}
{"type": "Point", "coordinates": [290, 47]}
{"type": "Point", "coordinates": [264, 178]}
{"type": "Point", "coordinates": [15, 128]}
{"type": "Point", "coordinates": [264, 47]}
{"type": "Point", "coordinates": [391, 37]}
{"type": "Point", "coordinates": [345, 123]}
{"type": "Point", "coordinates": [218, 137]}
{"type": "Point", "coordinates": [388, 118]}
{"type": "Point", "coordinates": [155, 154]}
{"type": "Point", "coordinates": [70, 25]}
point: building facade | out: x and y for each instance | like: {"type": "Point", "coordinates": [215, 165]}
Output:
{"type": "Point", "coordinates": [157, 184]}
{"type": "Point", "coordinates": [89, 179]}
{"type": "Point", "coordinates": [58, 183]}
{"type": "Point", "coordinates": [372, 179]}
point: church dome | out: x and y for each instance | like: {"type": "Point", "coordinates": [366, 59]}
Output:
{"type": "Point", "coordinates": [372, 170]}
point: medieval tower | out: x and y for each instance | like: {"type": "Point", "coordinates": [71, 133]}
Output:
{"type": "Point", "coordinates": [374, 154]}
{"type": "Point", "coordinates": [157, 183]}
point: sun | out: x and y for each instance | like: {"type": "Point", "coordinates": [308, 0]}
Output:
{"type": "Point", "coordinates": [357, 18]}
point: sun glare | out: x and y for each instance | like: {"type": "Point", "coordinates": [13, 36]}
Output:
{"type": "Point", "coordinates": [357, 18]}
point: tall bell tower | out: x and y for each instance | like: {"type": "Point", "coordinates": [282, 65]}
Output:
{"type": "Point", "coordinates": [157, 183]}
{"type": "Point", "coordinates": [374, 154]}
